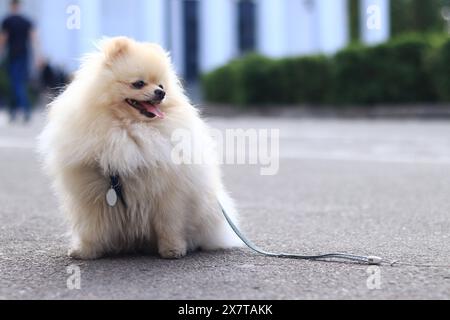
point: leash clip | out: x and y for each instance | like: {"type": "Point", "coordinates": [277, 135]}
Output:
{"type": "Point", "coordinates": [374, 260]}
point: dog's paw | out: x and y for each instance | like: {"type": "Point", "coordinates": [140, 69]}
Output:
{"type": "Point", "coordinates": [79, 254]}
{"type": "Point", "coordinates": [172, 253]}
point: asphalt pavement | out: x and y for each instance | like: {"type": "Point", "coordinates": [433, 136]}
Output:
{"type": "Point", "coordinates": [366, 187]}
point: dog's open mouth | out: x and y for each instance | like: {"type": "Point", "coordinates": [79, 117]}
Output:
{"type": "Point", "coordinates": [146, 108]}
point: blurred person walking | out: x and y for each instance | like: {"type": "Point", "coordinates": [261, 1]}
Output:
{"type": "Point", "coordinates": [18, 35]}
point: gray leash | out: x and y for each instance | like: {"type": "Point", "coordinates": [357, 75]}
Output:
{"type": "Point", "coordinates": [371, 260]}
{"type": "Point", "coordinates": [116, 188]}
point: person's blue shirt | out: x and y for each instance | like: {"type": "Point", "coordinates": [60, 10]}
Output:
{"type": "Point", "coordinates": [18, 29]}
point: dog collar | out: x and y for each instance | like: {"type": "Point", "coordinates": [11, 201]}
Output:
{"type": "Point", "coordinates": [115, 192]}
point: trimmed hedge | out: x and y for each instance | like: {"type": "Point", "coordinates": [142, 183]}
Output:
{"type": "Point", "coordinates": [305, 80]}
{"type": "Point", "coordinates": [256, 69]}
{"type": "Point", "coordinates": [409, 69]}
{"type": "Point", "coordinates": [4, 85]}
{"type": "Point", "coordinates": [439, 67]}
{"type": "Point", "coordinates": [235, 82]}
{"type": "Point", "coordinates": [218, 85]}
{"type": "Point", "coordinates": [255, 79]}
{"type": "Point", "coordinates": [393, 72]}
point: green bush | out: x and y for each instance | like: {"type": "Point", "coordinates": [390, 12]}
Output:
{"type": "Point", "coordinates": [218, 84]}
{"type": "Point", "coordinates": [250, 80]}
{"type": "Point", "coordinates": [305, 79]}
{"type": "Point", "coordinates": [409, 69]}
{"type": "Point", "coordinates": [255, 79]}
{"type": "Point", "coordinates": [258, 80]}
{"type": "Point", "coordinates": [393, 72]}
{"type": "Point", "coordinates": [4, 85]}
{"type": "Point", "coordinates": [439, 69]}
{"type": "Point", "coordinates": [416, 16]}
{"type": "Point", "coordinates": [352, 68]}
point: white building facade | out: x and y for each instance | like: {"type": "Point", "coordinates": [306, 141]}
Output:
{"type": "Point", "coordinates": [202, 34]}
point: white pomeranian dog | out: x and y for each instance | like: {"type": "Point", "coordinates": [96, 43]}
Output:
{"type": "Point", "coordinates": [108, 147]}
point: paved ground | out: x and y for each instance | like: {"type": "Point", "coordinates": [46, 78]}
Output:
{"type": "Point", "coordinates": [365, 187]}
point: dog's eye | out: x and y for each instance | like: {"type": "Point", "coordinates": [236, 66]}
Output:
{"type": "Point", "coordinates": [138, 84]}
{"type": "Point", "coordinates": [161, 86]}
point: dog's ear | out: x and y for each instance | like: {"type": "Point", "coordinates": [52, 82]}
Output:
{"type": "Point", "coordinates": [116, 48]}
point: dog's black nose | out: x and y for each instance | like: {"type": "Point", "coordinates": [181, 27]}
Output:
{"type": "Point", "coordinates": [160, 94]}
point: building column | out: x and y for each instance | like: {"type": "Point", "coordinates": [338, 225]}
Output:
{"type": "Point", "coordinates": [90, 31]}
{"type": "Point", "coordinates": [151, 21]}
{"type": "Point", "coordinates": [375, 21]}
{"type": "Point", "coordinates": [272, 29]}
{"type": "Point", "coordinates": [217, 33]}
{"type": "Point", "coordinates": [4, 9]}
{"type": "Point", "coordinates": [29, 7]}
{"type": "Point", "coordinates": [175, 42]}
{"type": "Point", "coordinates": [292, 27]}
{"type": "Point", "coordinates": [302, 19]}
{"type": "Point", "coordinates": [51, 22]}
{"type": "Point", "coordinates": [333, 28]}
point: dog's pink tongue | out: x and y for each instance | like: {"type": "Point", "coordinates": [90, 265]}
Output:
{"type": "Point", "coordinates": [155, 110]}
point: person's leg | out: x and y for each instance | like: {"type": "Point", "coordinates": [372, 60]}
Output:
{"type": "Point", "coordinates": [19, 78]}
{"type": "Point", "coordinates": [24, 102]}
{"type": "Point", "coordinates": [12, 73]}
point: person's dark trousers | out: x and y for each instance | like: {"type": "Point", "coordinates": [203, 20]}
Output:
{"type": "Point", "coordinates": [18, 75]}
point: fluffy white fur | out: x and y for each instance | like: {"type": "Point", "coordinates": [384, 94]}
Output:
{"type": "Point", "coordinates": [92, 132]}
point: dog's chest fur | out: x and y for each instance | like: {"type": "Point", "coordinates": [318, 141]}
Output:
{"type": "Point", "coordinates": [156, 185]}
